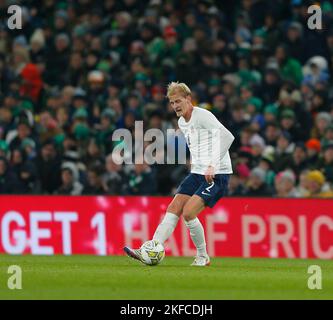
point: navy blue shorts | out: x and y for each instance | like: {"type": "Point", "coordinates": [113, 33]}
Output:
{"type": "Point", "coordinates": [211, 193]}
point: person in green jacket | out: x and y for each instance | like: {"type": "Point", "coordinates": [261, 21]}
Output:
{"type": "Point", "coordinates": [290, 69]}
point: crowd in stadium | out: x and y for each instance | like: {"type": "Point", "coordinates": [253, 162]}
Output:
{"type": "Point", "coordinates": [78, 70]}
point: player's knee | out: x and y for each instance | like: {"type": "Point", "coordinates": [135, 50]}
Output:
{"type": "Point", "coordinates": [177, 210]}
{"type": "Point", "coordinates": [188, 213]}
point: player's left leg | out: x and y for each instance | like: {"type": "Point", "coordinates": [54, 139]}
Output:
{"type": "Point", "coordinates": [190, 212]}
{"type": "Point", "coordinates": [206, 195]}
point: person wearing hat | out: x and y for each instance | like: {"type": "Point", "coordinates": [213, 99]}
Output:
{"type": "Point", "coordinates": [80, 115]}
{"type": "Point", "coordinates": [289, 123]}
{"type": "Point", "coordinates": [287, 114]}
{"type": "Point", "coordinates": [81, 132]}
{"type": "Point", "coordinates": [270, 113]}
{"type": "Point", "coordinates": [57, 56]}
{"type": "Point", "coordinates": [79, 100]}
{"type": "Point", "coordinates": [60, 21]}
{"type": "Point", "coordinates": [285, 185]}
{"type": "Point", "coordinates": [313, 147]}
{"type": "Point", "coordinates": [37, 46]}
{"type": "Point", "coordinates": [70, 180]}
{"type": "Point", "coordinates": [295, 41]}
{"type": "Point", "coordinates": [253, 106]}
{"type": "Point", "coordinates": [257, 144]}
{"type": "Point", "coordinates": [256, 185]}
{"type": "Point", "coordinates": [96, 79]}
{"type": "Point", "coordinates": [266, 163]}
{"type": "Point", "coordinates": [29, 147]}
{"type": "Point", "coordinates": [322, 121]}
{"type": "Point", "coordinates": [258, 123]}
{"type": "Point", "coordinates": [316, 186]}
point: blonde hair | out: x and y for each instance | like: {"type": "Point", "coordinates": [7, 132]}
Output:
{"type": "Point", "coordinates": [178, 87]}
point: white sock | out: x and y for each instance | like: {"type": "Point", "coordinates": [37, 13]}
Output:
{"type": "Point", "coordinates": [166, 227]}
{"type": "Point", "coordinates": [198, 236]}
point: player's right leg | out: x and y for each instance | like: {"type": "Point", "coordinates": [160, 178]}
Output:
{"type": "Point", "coordinates": [171, 218]}
{"type": "Point", "coordinates": [166, 226]}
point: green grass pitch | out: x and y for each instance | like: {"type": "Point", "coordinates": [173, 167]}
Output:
{"type": "Point", "coordinates": [118, 277]}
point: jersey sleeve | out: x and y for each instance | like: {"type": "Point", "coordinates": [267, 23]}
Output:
{"type": "Point", "coordinates": [222, 138]}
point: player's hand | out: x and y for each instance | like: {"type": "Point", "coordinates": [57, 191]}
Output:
{"type": "Point", "coordinates": [210, 174]}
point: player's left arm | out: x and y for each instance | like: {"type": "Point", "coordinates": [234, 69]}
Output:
{"type": "Point", "coordinates": [222, 139]}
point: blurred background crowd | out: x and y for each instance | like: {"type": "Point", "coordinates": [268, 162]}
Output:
{"type": "Point", "coordinates": [78, 70]}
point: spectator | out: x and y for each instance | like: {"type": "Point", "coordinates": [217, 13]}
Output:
{"type": "Point", "coordinates": [9, 183]}
{"type": "Point", "coordinates": [325, 164]}
{"type": "Point", "coordinates": [48, 164]}
{"type": "Point", "coordinates": [285, 185]}
{"type": "Point", "coordinates": [23, 131]}
{"type": "Point", "coordinates": [313, 147]}
{"type": "Point", "coordinates": [272, 133]}
{"type": "Point", "coordinates": [288, 123]}
{"type": "Point", "coordinates": [74, 76]}
{"type": "Point", "coordinates": [301, 188]}
{"type": "Point", "coordinates": [316, 186]}
{"type": "Point", "coordinates": [70, 180]}
{"type": "Point", "coordinates": [94, 154]}
{"type": "Point", "coordinates": [26, 173]}
{"type": "Point", "coordinates": [94, 184]}
{"type": "Point", "coordinates": [141, 180]}
{"type": "Point", "coordinates": [322, 122]}
{"type": "Point", "coordinates": [283, 151]}
{"type": "Point", "coordinates": [256, 186]}
{"type": "Point", "coordinates": [298, 161]}
{"type": "Point", "coordinates": [236, 187]}
{"type": "Point", "coordinates": [289, 68]}
{"type": "Point", "coordinates": [328, 135]}
{"type": "Point", "coordinates": [3, 149]}
{"type": "Point", "coordinates": [266, 163]}
{"type": "Point", "coordinates": [113, 179]}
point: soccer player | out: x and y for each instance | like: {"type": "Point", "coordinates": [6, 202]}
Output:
{"type": "Point", "coordinates": [209, 142]}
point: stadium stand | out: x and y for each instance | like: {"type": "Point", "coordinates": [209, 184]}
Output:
{"type": "Point", "coordinates": [78, 70]}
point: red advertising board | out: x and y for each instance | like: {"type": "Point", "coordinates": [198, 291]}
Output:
{"type": "Point", "coordinates": [235, 227]}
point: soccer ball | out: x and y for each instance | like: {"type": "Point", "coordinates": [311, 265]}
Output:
{"type": "Point", "coordinates": [152, 252]}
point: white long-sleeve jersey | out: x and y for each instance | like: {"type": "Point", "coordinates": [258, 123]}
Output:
{"type": "Point", "coordinates": [208, 140]}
